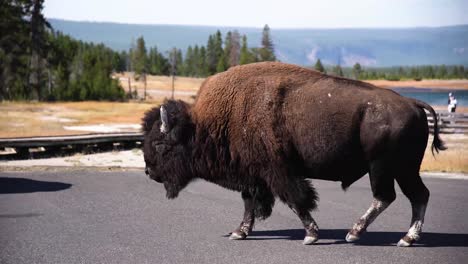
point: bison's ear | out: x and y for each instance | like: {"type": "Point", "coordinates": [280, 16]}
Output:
{"type": "Point", "coordinates": [176, 119]}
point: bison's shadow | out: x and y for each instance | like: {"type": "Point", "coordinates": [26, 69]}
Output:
{"type": "Point", "coordinates": [369, 239]}
{"type": "Point", "coordinates": [23, 185]}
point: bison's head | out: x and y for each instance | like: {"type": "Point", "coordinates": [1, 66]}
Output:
{"type": "Point", "coordinates": [167, 149]}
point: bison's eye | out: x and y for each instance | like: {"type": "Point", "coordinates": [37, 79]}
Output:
{"type": "Point", "coordinates": [160, 148]}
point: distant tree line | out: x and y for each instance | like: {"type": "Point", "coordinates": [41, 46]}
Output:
{"type": "Point", "coordinates": [37, 63]}
{"type": "Point", "coordinates": [198, 60]}
{"type": "Point", "coordinates": [81, 71]}
{"type": "Point", "coordinates": [443, 72]}
{"type": "Point", "coordinates": [397, 73]}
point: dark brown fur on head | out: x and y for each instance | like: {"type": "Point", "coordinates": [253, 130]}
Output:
{"type": "Point", "coordinates": [167, 154]}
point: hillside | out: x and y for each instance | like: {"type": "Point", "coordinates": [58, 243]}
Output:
{"type": "Point", "coordinates": [370, 47]}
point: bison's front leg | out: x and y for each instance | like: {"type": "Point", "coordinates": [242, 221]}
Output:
{"type": "Point", "coordinates": [310, 226]}
{"type": "Point", "coordinates": [301, 197]}
{"type": "Point", "coordinates": [249, 217]}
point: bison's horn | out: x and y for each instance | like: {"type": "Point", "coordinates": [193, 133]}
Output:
{"type": "Point", "coordinates": [164, 126]}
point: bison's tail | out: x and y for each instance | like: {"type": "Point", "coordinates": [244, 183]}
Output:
{"type": "Point", "coordinates": [437, 143]}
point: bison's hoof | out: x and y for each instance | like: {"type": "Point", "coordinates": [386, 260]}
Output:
{"type": "Point", "coordinates": [237, 236]}
{"type": "Point", "coordinates": [308, 240]}
{"type": "Point", "coordinates": [405, 242]}
{"type": "Point", "coordinates": [351, 238]}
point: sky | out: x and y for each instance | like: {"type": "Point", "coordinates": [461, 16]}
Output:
{"type": "Point", "coordinates": [256, 13]}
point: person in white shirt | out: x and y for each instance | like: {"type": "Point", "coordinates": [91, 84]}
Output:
{"type": "Point", "coordinates": [452, 103]}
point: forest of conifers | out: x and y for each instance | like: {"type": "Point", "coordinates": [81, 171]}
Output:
{"type": "Point", "coordinates": [38, 63]}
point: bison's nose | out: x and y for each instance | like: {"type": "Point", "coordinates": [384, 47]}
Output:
{"type": "Point", "coordinates": [152, 175]}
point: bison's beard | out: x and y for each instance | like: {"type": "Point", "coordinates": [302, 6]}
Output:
{"type": "Point", "coordinates": [172, 191]}
{"type": "Point", "coordinates": [173, 188]}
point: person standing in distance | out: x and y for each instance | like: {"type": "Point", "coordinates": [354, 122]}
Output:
{"type": "Point", "coordinates": [452, 103]}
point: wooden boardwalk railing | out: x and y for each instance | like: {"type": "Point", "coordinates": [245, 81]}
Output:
{"type": "Point", "coordinates": [450, 123]}
{"type": "Point", "coordinates": [30, 147]}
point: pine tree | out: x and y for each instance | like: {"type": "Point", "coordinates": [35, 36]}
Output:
{"type": "Point", "coordinates": [218, 43]}
{"type": "Point", "coordinates": [140, 58]}
{"type": "Point", "coordinates": [429, 72]}
{"type": "Point", "coordinates": [338, 71]}
{"type": "Point", "coordinates": [218, 46]}
{"type": "Point", "coordinates": [454, 72]}
{"type": "Point", "coordinates": [357, 70]}
{"type": "Point", "coordinates": [196, 61]}
{"type": "Point", "coordinates": [373, 75]}
{"type": "Point", "coordinates": [227, 49]}
{"type": "Point", "coordinates": [21, 23]}
{"type": "Point", "coordinates": [188, 62]}
{"type": "Point", "coordinates": [120, 61]}
{"type": "Point", "coordinates": [462, 74]}
{"type": "Point", "coordinates": [401, 72]}
{"type": "Point", "coordinates": [415, 74]}
{"type": "Point", "coordinates": [180, 68]}
{"type": "Point", "coordinates": [211, 60]}
{"type": "Point", "coordinates": [158, 63]}
{"type": "Point", "coordinates": [364, 75]}
{"type": "Point", "coordinates": [152, 56]}
{"type": "Point", "coordinates": [202, 66]}
{"type": "Point", "coordinates": [442, 72]}
{"type": "Point", "coordinates": [245, 55]}
{"type": "Point", "coordinates": [37, 63]}
{"type": "Point", "coordinates": [222, 66]}
{"type": "Point", "coordinates": [319, 67]}
{"type": "Point", "coordinates": [39, 47]}
{"type": "Point", "coordinates": [267, 49]}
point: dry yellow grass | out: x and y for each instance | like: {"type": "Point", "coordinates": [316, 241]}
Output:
{"type": "Point", "coordinates": [159, 87]}
{"type": "Point", "coordinates": [24, 119]}
{"type": "Point", "coordinates": [47, 119]}
{"type": "Point", "coordinates": [193, 84]}
{"type": "Point", "coordinates": [454, 159]}
{"type": "Point", "coordinates": [159, 83]}
{"type": "Point", "coordinates": [442, 84]}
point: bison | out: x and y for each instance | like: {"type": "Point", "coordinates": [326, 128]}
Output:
{"type": "Point", "coordinates": [265, 129]}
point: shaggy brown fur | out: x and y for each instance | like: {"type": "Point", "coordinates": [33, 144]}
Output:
{"type": "Point", "coordinates": [265, 128]}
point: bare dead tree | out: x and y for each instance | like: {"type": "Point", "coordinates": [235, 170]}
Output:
{"type": "Point", "coordinates": [144, 83]}
{"type": "Point", "coordinates": [234, 53]}
{"type": "Point", "coordinates": [173, 62]}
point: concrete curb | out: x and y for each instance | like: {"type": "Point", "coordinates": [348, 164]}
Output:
{"type": "Point", "coordinates": [444, 175]}
{"type": "Point", "coordinates": [67, 168]}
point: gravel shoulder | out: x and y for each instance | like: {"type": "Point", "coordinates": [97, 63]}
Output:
{"type": "Point", "coordinates": [117, 159]}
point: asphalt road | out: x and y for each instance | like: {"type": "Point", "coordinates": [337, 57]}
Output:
{"type": "Point", "coordinates": [123, 217]}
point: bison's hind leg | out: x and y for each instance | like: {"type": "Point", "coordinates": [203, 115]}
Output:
{"type": "Point", "coordinates": [382, 183]}
{"type": "Point", "coordinates": [258, 203]}
{"type": "Point", "coordinates": [413, 187]}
